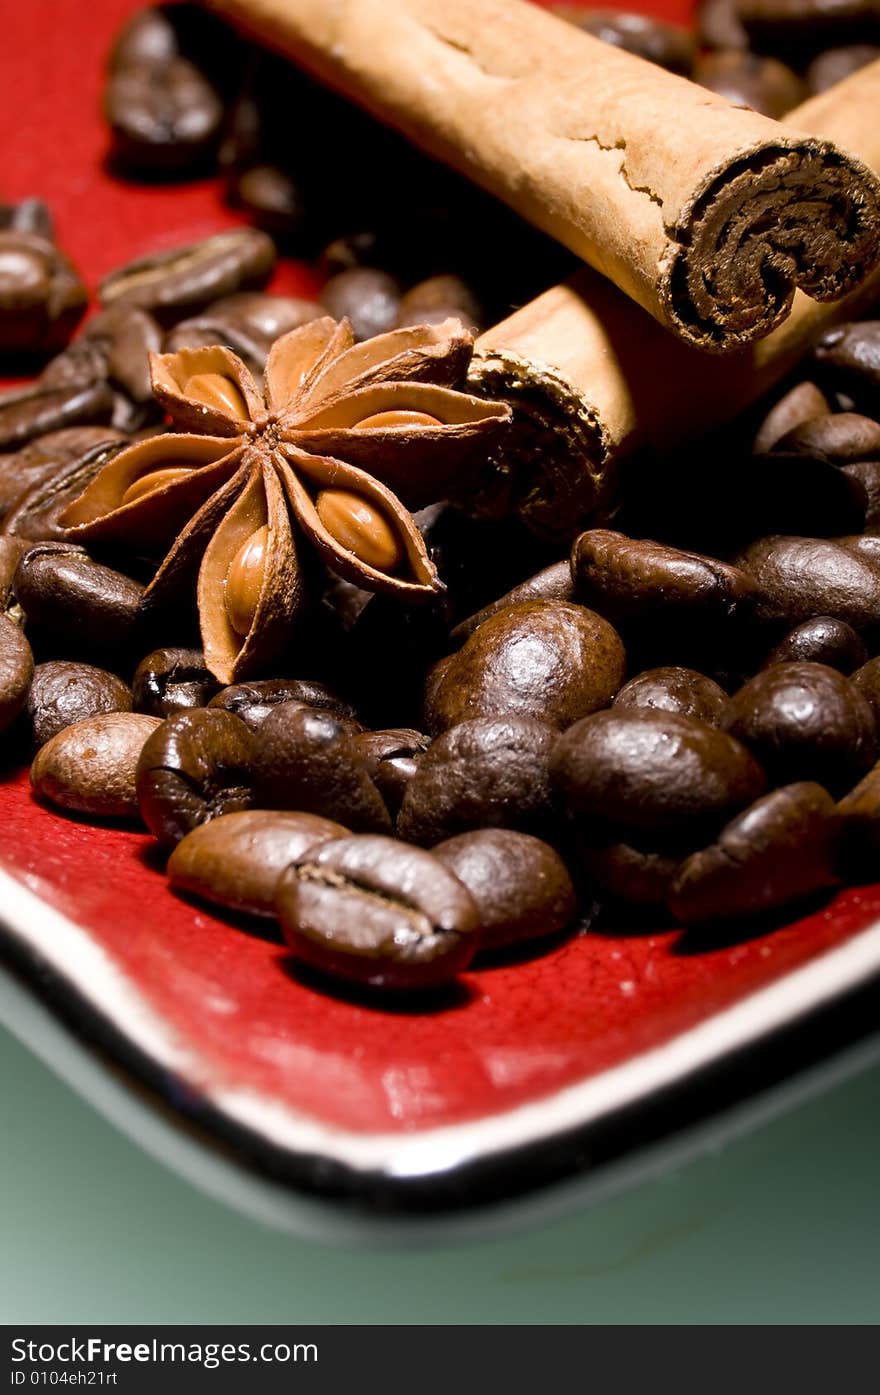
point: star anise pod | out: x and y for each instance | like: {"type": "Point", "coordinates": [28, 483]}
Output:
{"type": "Point", "coordinates": [344, 435]}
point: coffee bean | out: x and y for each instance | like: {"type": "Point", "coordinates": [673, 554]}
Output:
{"type": "Point", "coordinates": [553, 583]}
{"type": "Point", "coordinates": [800, 28]}
{"type": "Point", "coordinates": [668, 45]}
{"type": "Point", "coordinates": [642, 769]}
{"type": "Point", "coordinates": [848, 356]}
{"type": "Point", "coordinates": [184, 280]}
{"type": "Point", "coordinates": [626, 873]}
{"type": "Point", "coordinates": [30, 216]}
{"type": "Point", "coordinates": [236, 859]}
{"type": "Point", "coordinates": [89, 768]}
{"type": "Point", "coordinates": [822, 641]}
{"type": "Point", "coordinates": [831, 67]}
{"type": "Point", "coordinates": [11, 552]}
{"type": "Point", "coordinates": [544, 659]}
{"type": "Point", "coordinates": [126, 336]}
{"type": "Point", "coordinates": [52, 485]}
{"type": "Point", "coordinates": [169, 681]}
{"type": "Point", "coordinates": [16, 671]}
{"type": "Point", "coordinates": [306, 760]}
{"type": "Point", "coordinates": [801, 403]}
{"type": "Point", "coordinates": [860, 835]}
{"type": "Point", "coordinates": [368, 297]}
{"type": "Point", "coordinates": [867, 680]}
{"type": "Point", "coordinates": [86, 607]}
{"type": "Point", "coordinates": [41, 294]}
{"type": "Point", "coordinates": [392, 759]}
{"type": "Point", "coordinates": [35, 411]}
{"type": "Point", "coordinates": [269, 195]}
{"type": "Point", "coordinates": [772, 855]}
{"type": "Point", "coordinates": [254, 701]}
{"type": "Point", "coordinates": [164, 117]}
{"type": "Point", "coordinates": [248, 322]}
{"type": "Point", "coordinates": [63, 693]}
{"type": "Point", "coordinates": [718, 25]}
{"type": "Point", "coordinates": [800, 578]}
{"type": "Point", "coordinates": [41, 459]}
{"type": "Point", "coordinates": [520, 885]}
{"type": "Point", "coordinates": [440, 298]}
{"type": "Point", "coordinates": [376, 911]}
{"type": "Point", "coordinates": [840, 437]}
{"type": "Point", "coordinates": [804, 721]}
{"type": "Point", "coordinates": [680, 690]}
{"type": "Point", "coordinates": [750, 80]}
{"type": "Point", "coordinates": [196, 766]}
{"type": "Point", "coordinates": [490, 772]}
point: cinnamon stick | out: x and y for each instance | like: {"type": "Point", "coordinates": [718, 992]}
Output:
{"type": "Point", "coordinates": [707, 215]}
{"type": "Point", "coordinates": [591, 378]}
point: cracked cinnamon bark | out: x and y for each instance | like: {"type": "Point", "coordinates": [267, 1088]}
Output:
{"type": "Point", "coordinates": [708, 216]}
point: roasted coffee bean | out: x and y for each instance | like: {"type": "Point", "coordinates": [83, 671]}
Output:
{"type": "Point", "coordinates": [36, 513]}
{"type": "Point", "coordinates": [840, 437]}
{"type": "Point", "coordinates": [440, 298]}
{"type": "Point", "coordinates": [306, 760]}
{"type": "Point", "coordinates": [822, 641]}
{"type": "Point", "coordinates": [485, 773]}
{"type": "Point", "coordinates": [196, 766]}
{"type": "Point", "coordinates": [16, 671]}
{"type": "Point", "coordinates": [544, 659]}
{"type": "Point", "coordinates": [254, 701]}
{"type": "Point", "coordinates": [43, 458]}
{"type": "Point", "coordinates": [271, 197]}
{"type": "Point", "coordinates": [35, 411]}
{"type": "Point", "coordinates": [680, 690]}
{"type": "Point", "coordinates": [365, 248]}
{"type": "Point", "coordinates": [41, 294]}
{"type": "Point", "coordinates": [236, 859]}
{"type": "Point", "coordinates": [865, 545]}
{"type": "Point", "coordinates": [553, 583]}
{"type": "Point", "coordinates": [801, 403]}
{"type": "Point", "coordinates": [749, 80]}
{"type": "Point", "coordinates": [375, 911]}
{"type": "Point", "coordinates": [165, 117]}
{"type": "Point", "coordinates": [626, 873]}
{"type": "Point", "coordinates": [11, 552]}
{"type": "Point", "coordinates": [867, 472]}
{"type": "Point", "coordinates": [392, 759]}
{"type": "Point", "coordinates": [126, 336]}
{"type": "Point", "coordinates": [520, 885]}
{"type": "Point", "coordinates": [248, 322]}
{"type": "Point", "coordinates": [89, 768]}
{"type": "Point", "coordinates": [668, 45]}
{"type": "Point", "coordinates": [860, 834]}
{"type": "Point", "coordinates": [848, 357]}
{"type": "Point", "coordinates": [169, 681]}
{"type": "Point", "coordinates": [800, 28]}
{"type": "Point", "coordinates": [800, 578]}
{"type": "Point", "coordinates": [718, 25]}
{"type": "Point", "coordinates": [867, 680]}
{"type": "Point", "coordinates": [804, 721]}
{"type": "Point", "coordinates": [86, 607]}
{"type": "Point", "coordinates": [835, 64]}
{"type": "Point", "coordinates": [186, 279]}
{"type": "Point", "coordinates": [63, 693]}
{"type": "Point", "coordinates": [639, 769]}
{"type": "Point", "coordinates": [368, 297]}
{"type": "Point", "coordinates": [772, 855]}
{"type": "Point", "coordinates": [30, 216]}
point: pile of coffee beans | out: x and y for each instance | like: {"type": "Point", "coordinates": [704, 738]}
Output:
{"type": "Point", "coordinates": [675, 721]}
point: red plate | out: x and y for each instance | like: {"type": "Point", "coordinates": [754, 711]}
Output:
{"type": "Point", "coordinates": [510, 1079]}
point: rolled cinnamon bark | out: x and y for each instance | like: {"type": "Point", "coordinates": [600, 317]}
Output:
{"type": "Point", "coordinates": [707, 215]}
{"type": "Point", "coordinates": [591, 378]}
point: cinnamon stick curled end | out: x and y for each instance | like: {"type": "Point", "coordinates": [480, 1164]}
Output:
{"type": "Point", "coordinates": [796, 214]}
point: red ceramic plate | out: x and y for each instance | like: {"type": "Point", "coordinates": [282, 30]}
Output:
{"type": "Point", "coordinates": [588, 1049]}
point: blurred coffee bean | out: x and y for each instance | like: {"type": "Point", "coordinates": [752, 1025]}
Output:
{"type": "Point", "coordinates": [748, 80]}
{"type": "Point", "coordinates": [840, 437]}
{"type": "Point", "coordinates": [798, 29]}
{"type": "Point", "coordinates": [29, 216]}
{"type": "Point", "coordinates": [520, 884]}
{"type": "Point", "coordinates": [16, 671]}
{"type": "Point", "coordinates": [35, 411]}
{"type": "Point", "coordinates": [352, 250]}
{"type": "Point", "coordinates": [184, 280]}
{"type": "Point", "coordinates": [626, 873]}
{"type": "Point", "coordinates": [254, 701]}
{"type": "Point", "coordinates": [835, 64]}
{"type": "Point", "coordinates": [554, 583]}
{"type": "Point", "coordinates": [306, 760]}
{"type": "Point", "coordinates": [681, 690]}
{"type": "Point", "coordinates": [248, 322]}
{"type": "Point", "coordinates": [86, 607]}
{"type": "Point", "coordinates": [718, 25]}
{"type": "Point", "coordinates": [800, 578]}
{"type": "Point", "coordinates": [36, 513]}
{"type": "Point", "coordinates": [668, 45]}
{"type": "Point", "coordinates": [165, 117]}
{"type": "Point", "coordinates": [484, 773]}
{"type": "Point", "coordinates": [195, 766]}
{"type": "Point", "coordinates": [41, 294]}
{"type": "Point", "coordinates": [63, 693]}
{"type": "Point", "coordinates": [860, 834]}
{"type": "Point", "coordinates": [374, 911]}
{"type": "Point", "coordinates": [89, 768]}
{"type": "Point", "coordinates": [368, 297]}
{"type": "Point", "coordinates": [867, 681]}
{"type": "Point", "coordinates": [848, 356]}
{"type": "Point", "coordinates": [801, 403]}
{"type": "Point", "coordinates": [43, 457]}
{"type": "Point", "coordinates": [235, 860]}
{"type": "Point", "coordinates": [804, 721]}
{"type": "Point", "coordinates": [270, 196]}
{"type": "Point", "coordinates": [545, 659]}
{"type": "Point", "coordinates": [823, 640]}
{"type": "Point", "coordinates": [440, 298]}
{"type": "Point", "coordinates": [772, 855]}
{"type": "Point", "coordinates": [172, 680]}
{"type": "Point", "coordinates": [642, 769]}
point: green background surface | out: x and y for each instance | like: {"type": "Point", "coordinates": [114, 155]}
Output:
{"type": "Point", "coordinates": [781, 1226]}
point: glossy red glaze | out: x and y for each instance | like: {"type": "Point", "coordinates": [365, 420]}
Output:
{"type": "Point", "coordinates": [518, 1031]}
